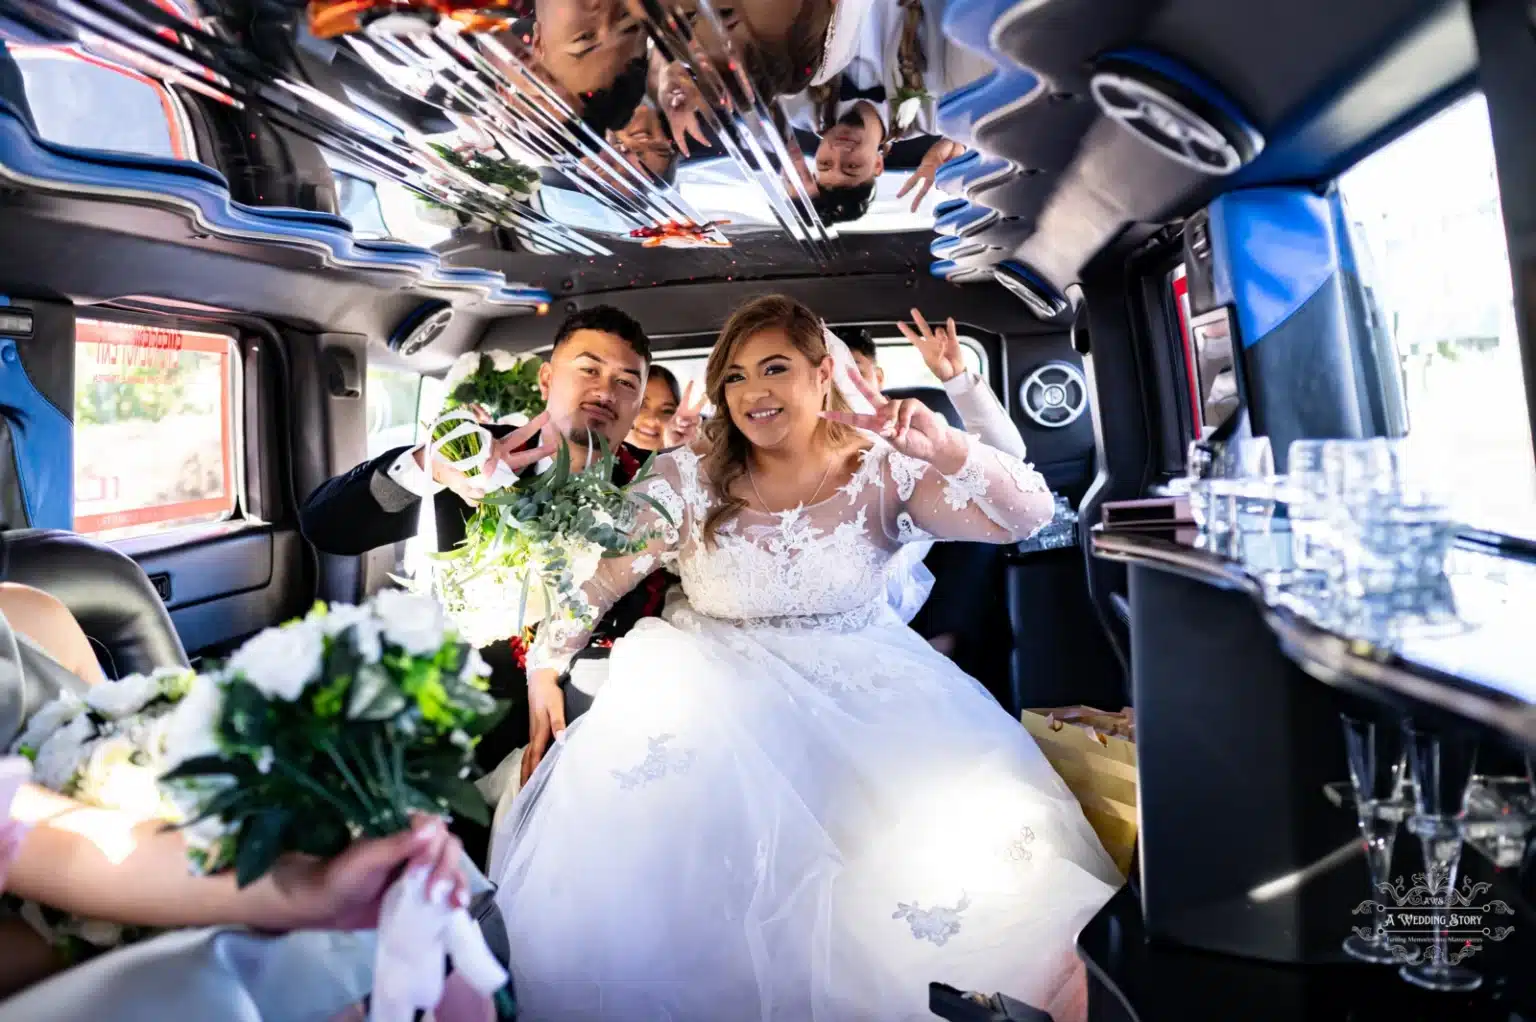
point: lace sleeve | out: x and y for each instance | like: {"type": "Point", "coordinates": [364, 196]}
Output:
{"type": "Point", "coordinates": [994, 498]}
{"type": "Point", "coordinates": [567, 629]}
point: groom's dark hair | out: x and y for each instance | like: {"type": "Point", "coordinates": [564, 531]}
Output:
{"type": "Point", "coordinates": [605, 319]}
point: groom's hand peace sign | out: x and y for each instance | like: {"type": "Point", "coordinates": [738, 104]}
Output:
{"type": "Point", "coordinates": [910, 426]}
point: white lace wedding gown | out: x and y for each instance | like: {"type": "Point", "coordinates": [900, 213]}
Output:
{"type": "Point", "coordinates": [785, 805]}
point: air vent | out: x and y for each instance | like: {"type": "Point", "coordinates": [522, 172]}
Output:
{"type": "Point", "coordinates": [1170, 110]}
{"type": "Point", "coordinates": [1054, 395]}
{"type": "Point", "coordinates": [424, 327]}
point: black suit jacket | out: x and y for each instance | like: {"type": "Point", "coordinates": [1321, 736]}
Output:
{"type": "Point", "coordinates": [345, 515]}
{"type": "Point", "coordinates": [364, 509]}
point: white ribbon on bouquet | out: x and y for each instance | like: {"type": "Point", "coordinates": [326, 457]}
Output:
{"type": "Point", "coordinates": [417, 935]}
{"type": "Point", "coordinates": [468, 425]}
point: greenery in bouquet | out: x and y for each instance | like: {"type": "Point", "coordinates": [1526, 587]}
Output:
{"type": "Point", "coordinates": [503, 386]}
{"type": "Point", "coordinates": [333, 727]}
{"type": "Point", "coordinates": [524, 562]}
{"type": "Point", "coordinates": [105, 748]}
{"type": "Point", "coordinates": [510, 178]}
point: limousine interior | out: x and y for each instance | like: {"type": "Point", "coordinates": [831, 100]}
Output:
{"type": "Point", "coordinates": [237, 263]}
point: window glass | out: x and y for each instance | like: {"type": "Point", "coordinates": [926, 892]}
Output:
{"type": "Point", "coordinates": [903, 364]}
{"type": "Point", "coordinates": [392, 404]}
{"type": "Point", "coordinates": [83, 101]}
{"type": "Point", "coordinates": [1427, 207]}
{"type": "Point", "coordinates": [155, 431]}
{"type": "Point", "coordinates": [399, 404]}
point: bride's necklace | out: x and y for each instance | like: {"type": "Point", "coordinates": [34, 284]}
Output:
{"type": "Point", "coordinates": [804, 503]}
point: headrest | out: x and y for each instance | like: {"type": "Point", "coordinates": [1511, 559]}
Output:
{"type": "Point", "coordinates": [108, 593]}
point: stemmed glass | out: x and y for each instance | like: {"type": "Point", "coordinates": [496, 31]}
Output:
{"type": "Point", "coordinates": [1442, 768]}
{"type": "Point", "coordinates": [1500, 816]}
{"type": "Point", "coordinates": [1305, 494]}
{"type": "Point", "coordinates": [1378, 779]}
{"type": "Point", "coordinates": [1228, 480]}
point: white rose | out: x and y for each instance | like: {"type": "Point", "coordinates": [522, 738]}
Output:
{"type": "Point", "coordinates": [64, 753]}
{"type": "Point", "coordinates": [906, 113]}
{"type": "Point", "coordinates": [336, 618]}
{"type": "Point", "coordinates": [514, 419]}
{"type": "Point", "coordinates": [502, 360]}
{"type": "Point", "coordinates": [112, 780]}
{"type": "Point", "coordinates": [47, 720]}
{"type": "Point", "coordinates": [192, 729]}
{"type": "Point", "coordinates": [414, 623]}
{"type": "Point", "coordinates": [281, 661]}
{"type": "Point", "coordinates": [117, 699]}
{"type": "Point", "coordinates": [475, 666]}
{"type": "Point", "coordinates": [365, 628]}
{"type": "Point", "coordinates": [462, 369]}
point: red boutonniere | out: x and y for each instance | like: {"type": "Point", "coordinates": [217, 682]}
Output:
{"type": "Point", "coordinates": [520, 645]}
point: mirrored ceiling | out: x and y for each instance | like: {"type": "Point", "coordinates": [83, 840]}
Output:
{"type": "Point", "coordinates": [576, 127]}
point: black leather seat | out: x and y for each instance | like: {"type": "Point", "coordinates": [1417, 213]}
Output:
{"type": "Point", "coordinates": [969, 583]}
{"type": "Point", "coordinates": [109, 594]}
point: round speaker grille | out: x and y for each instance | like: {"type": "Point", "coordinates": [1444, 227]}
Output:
{"type": "Point", "coordinates": [1173, 121]}
{"type": "Point", "coordinates": [429, 329]}
{"type": "Point", "coordinates": [1054, 395]}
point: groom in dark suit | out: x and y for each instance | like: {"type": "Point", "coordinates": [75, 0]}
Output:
{"type": "Point", "coordinates": [593, 382]}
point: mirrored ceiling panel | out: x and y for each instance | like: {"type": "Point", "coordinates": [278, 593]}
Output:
{"type": "Point", "coordinates": [575, 127]}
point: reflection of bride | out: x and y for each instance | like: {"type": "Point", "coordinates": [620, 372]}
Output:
{"type": "Point", "coordinates": [785, 805]}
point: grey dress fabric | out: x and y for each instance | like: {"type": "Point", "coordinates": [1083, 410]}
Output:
{"type": "Point", "coordinates": [216, 974]}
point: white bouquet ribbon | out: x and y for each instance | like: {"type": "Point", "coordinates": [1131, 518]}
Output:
{"type": "Point", "coordinates": [468, 425]}
{"type": "Point", "coordinates": [416, 935]}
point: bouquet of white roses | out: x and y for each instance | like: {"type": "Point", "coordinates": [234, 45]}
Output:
{"type": "Point", "coordinates": [108, 749]}
{"type": "Point", "coordinates": [336, 726]}
{"type": "Point", "coordinates": [547, 535]}
{"type": "Point", "coordinates": [496, 386]}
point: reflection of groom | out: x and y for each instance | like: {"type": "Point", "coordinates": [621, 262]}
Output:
{"type": "Point", "coordinates": [593, 381]}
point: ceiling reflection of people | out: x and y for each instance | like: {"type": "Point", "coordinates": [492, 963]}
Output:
{"type": "Point", "coordinates": [888, 93]}
{"type": "Point", "coordinates": [594, 53]}
{"type": "Point", "coordinates": [644, 141]}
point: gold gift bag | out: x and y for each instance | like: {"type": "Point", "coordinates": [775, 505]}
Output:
{"type": "Point", "coordinates": [1095, 753]}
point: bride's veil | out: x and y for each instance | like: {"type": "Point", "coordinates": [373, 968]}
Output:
{"type": "Point", "coordinates": [844, 369]}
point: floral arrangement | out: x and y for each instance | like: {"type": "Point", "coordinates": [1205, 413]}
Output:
{"type": "Point", "coordinates": [525, 558]}
{"type": "Point", "coordinates": [336, 726]}
{"type": "Point", "coordinates": [333, 727]}
{"type": "Point", "coordinates": [514, 180]}
{"type": "Point", "coordinates": [107, 749]}
{"type": "Point", "coordinates": [495, 385]}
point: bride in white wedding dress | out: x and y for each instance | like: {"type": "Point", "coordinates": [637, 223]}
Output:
{"type": "Point", "coordinates": [785, 805]}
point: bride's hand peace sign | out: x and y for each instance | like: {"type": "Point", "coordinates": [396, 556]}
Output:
{"type": "Point", "coordinates": [910, 426]}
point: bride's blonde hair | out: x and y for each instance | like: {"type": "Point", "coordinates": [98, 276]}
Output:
{"type": "Point", "coordinates": [725, 459]}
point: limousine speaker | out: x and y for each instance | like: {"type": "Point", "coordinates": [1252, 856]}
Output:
{"type": "Point", "coordinates": [422, 328]}
{"type": "Point", "coordinates": [1054, 395]}
{"type": "Point", "coordinates": [1172, 110]}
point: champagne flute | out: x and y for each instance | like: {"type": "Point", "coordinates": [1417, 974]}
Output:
{"type": "Point", "coordinates": [1377, 770]}
{"type": "Point", "coordinates": [1442, 767]}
